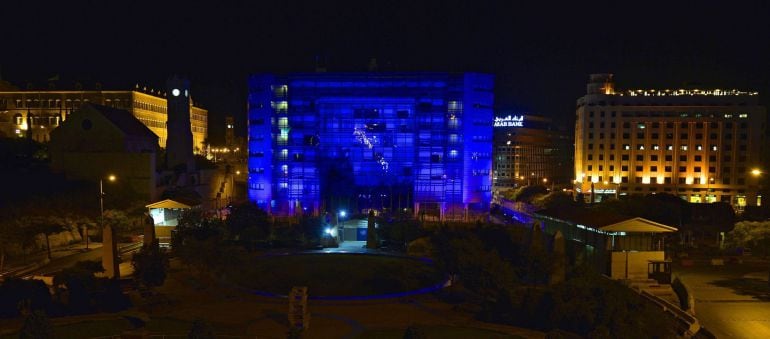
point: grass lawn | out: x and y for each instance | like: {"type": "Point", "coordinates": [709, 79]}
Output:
{"type": "Point", "coordinates": [86, 329]}
{"type": "Point", "coordinates": [337, 274]}
{"type": "Point", "coordinates": [443, 332]}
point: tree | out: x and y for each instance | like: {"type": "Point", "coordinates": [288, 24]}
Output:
{"type": "Point", "coordinates": [200, 329]}
{"type": "Point", "coordinates": [150, 265]}
{"type": "Point", "coordinates": [45, 225]}
{"type": "Point", "coordinates": [248, 220]}
{"type": "Point", "coordinates": [36, 326]}
{"type": "Point", "coordinates": [751, 234]}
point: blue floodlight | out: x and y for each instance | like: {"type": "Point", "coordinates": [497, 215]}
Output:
{"type": "Point", "coordinates": [329, 231]}
{"type": "Point", "coordinates": [342, 214]}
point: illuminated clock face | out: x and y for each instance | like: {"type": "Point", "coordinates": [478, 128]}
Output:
{"type": "Point", "coordinates": [175, 92]}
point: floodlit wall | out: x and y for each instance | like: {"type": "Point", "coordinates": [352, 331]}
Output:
{"type": "Point", "coordinates": [371, 141]}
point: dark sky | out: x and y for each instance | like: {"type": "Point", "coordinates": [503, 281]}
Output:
{"type": "Point", "coordinates": [541, 54]}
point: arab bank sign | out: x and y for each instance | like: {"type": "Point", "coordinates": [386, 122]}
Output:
{"type": "Point", "coordinates": [510, 121]}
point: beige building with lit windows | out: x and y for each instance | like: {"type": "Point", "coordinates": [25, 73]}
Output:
{"type": "Point", "coordinates": [34, 113]}
{"type": "Point", "coordinates": [700, 145]}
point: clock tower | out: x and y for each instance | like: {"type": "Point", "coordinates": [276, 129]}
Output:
{"type": "Point", "coordinates": [179, 144]}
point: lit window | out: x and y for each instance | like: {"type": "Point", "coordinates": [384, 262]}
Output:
{"type": "Point", "coordinates": [626, 147]}
{"type": "Point", "coordinates": [713, 147]}
{"type": "Point", "coordinates": [743, 116]}
{"type": "Point", "coordinates": [728, 116]}
{"type": "Point", "coordinates": [683, 147]}
{"type": "Point", "coordinates": [655, 147]}
{"type": "Point", "coordinates": [670, 147]}
{"type": "Point", "coordinates": [699, 147]}
{"type": "Point", "coordinates": [640, 147]}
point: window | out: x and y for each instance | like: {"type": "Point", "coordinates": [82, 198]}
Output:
{"type": "Point", "coordinates": [653, 158]}
{"type": "Point", "coordinates": [667, 180]}
{"type": "Point", "coordinates": [669, 147]}
{"type": "Point", "coordinates": [624, 168]}
{"type": "Point", "coordinates": [683, 136]}
{"type": "Point", "coordinates": [698, 136]}
{"type": "Point", "coordinates": [698, 158]}
{"type": "Point", "coordinates": [612, 156]}
{"type": "Point", "coordinates": [624, 180]}
{"type": "Point", "coordinates": [640, 125]}
{"type": "Point", "coordinates": [638, 168]}
{"type": "Point", "coordinates": [655, 136]}
{"type": "Point", "coordinates": [713, 147]}
{"type": "Point", "coordinates": [683, 147]}
{"type": "Point", "coordinates": [682, 168]}
{"type": "Point", "coordinates": [639, 157]}
{"type": "Point", "coordinates": [669, 135]}
{"type": "Point", "coordinates": [712, 158]}
{"type": "Point", "coordinates": [682, 158]}
{"type": "Point", "coordinates": [667, 169]}
{"type": "Point", "coordinates": [653, 168]}
{"type": "Point", "coordinates": [626, 135]}
{"type": "Point", "coordinates": [712, 169]}
{"type": "Point", "coordinates": [590, 146]}
{"type": "Point", "coordinates": [655, 147]}
{"type": "Point", "coordinates": [612, 167]}
{"type": "Point", "coordinates": [624, 157]}
{"type": "Point", "coordinates": [697, 169]}
{"type": "Point", "coordinates": [640, 147]}
{"type": "Point", "coordinates": [601, 156]}
{"type": "Point", "coordinates": [638, 180]}
{"type": "Point", "coordinates": [640, 135]}
{"type": "Point", "coordinates": [669, 157]}
{"type": "Point", "coordinates": [601, 168]}
{"type": "Point", "coordinates": [626, 146]}
{"type": "Point", "coordinates": [626, 125]}
{"type": "Point", "coordinates": [590, 157]}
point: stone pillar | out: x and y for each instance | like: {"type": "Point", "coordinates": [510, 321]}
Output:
{"type": "Point", "coordinates": [149, 231]}
{"type": "Point", "coordinates": [110, 253]}
{"type": "Point", "coordinates": [559, 270]}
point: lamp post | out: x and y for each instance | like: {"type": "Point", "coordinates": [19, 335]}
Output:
{"type": "Point", "coordinates": [342, 223]}
{"type": "Point", "coordinates": [111, 178]}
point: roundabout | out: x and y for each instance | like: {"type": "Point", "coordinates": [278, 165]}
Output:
{"type": "Point", "coordinates": [339, 276]}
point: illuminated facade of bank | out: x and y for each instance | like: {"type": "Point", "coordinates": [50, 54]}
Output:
{"type": "Point", "coordinates": [325, 142]}
{"type": "Point", "coordinates": [700, 145]}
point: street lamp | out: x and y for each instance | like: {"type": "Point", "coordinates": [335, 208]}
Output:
{"type": "Point", "coordinates": [111, 178]}
{"type": "Point", "coordinates": [342, 223]}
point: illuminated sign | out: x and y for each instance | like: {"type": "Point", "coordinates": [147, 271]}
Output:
{"type": "Point", "coordinates": [510, 121]}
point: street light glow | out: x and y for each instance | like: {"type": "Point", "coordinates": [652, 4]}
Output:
{"type": "Point", "coordinates": [342, 213]}
{"type": "Point", "coordinates": [111, 177]}
{"type": "Point", "coordinates": [756, 172]}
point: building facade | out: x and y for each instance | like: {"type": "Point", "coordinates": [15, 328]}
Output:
{"type": "Point", "coordinates": [359, 141]}
{"type": "Point", "coordinates": [530, 151]}
{"type": "Point", "coordinates": [700, 145]}
{"type": "Point", "coordinates": [34, 113]}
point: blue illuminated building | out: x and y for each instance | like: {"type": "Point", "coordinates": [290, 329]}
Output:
{"type": "Point", "coordinates": [420, 142]}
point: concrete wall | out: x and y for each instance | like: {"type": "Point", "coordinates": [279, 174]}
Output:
{"type": "Point", "coordinates": [137, 169]}
{"type": "Point", "coordinates": [637, 263]}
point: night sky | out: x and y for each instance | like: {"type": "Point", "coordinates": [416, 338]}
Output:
{"type": "Point", "coordinates": [541, 55]}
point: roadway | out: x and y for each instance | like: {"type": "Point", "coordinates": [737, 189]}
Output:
{"type": "Point", "coordinates": [67, 257]}
{"type": "Point", "coordinates": [731, 301]}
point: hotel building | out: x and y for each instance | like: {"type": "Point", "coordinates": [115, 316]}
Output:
{"type": "Point", "coordinates": [700, 145]}
{"type": "Point", "coordinates": [416, 141]}
{"type": "Point", "coordinates": [34, 113]}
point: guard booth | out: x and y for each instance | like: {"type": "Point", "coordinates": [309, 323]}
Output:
{"type": "Point", "coordinates": [637, 249]}
{"type": "Point", "coordinates": [165, 214]}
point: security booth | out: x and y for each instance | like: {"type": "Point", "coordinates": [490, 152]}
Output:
{"type": "Point", "coordinates": [634, 245]}
{"type": "Point", "coordinates": [166, 214]}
